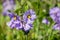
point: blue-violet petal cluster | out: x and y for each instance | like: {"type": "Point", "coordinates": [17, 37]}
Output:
{"type": "Point", "coordinates": [29, 16]}
{"type": "Point", "coordinates": [8, 5]}
{"type": "Point", "coordinates": [15, 22]}
{"type": "Point", "coordinates": [45, 21]}
{"type": "Point", "coordinates": [56, 27]}
{"type": "Point", "coordinates": [25, 23]}
{"type": "Point", "coordinates": [55, 15]}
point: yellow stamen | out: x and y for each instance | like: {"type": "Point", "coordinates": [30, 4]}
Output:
{"type": "Point", "coordinates": [15, 18]}
{"type": "Point", "coordinates": [28, 16]}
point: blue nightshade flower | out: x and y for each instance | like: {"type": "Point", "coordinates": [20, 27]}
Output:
{"type": "Point", "coordinates": [15, 22]}
{"type": "Point", "coordinates": [29, 16]}
{"type": "Point", "coordinates": [45, 21]}
{"type": "Point", "coordinates": [8, 5]}
{"type": "Point", "coordinates": [56, 27]}
{"type": "Point", "coordinates": [55, 14]}
{"type": "Point", "coordinates": [28, 19]}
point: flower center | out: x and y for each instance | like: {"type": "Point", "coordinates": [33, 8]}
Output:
{"type": "Point", "coordinates": [28, 16]}
{"type": "Point", "coordinates": [15, 17]}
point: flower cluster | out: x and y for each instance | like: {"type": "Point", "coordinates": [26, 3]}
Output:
{"type": "Point", "coordinates": [25, 24]}
{"type": "Point", "coordinates": [15, 21]}
{"type": "Point", "coordinates": [55, 15]}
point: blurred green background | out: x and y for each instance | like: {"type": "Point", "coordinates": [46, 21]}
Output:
{"type": "Point", "coordinates": [40, 31]}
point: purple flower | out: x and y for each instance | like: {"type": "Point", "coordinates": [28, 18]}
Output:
{"type": "Point", "coordinates": [8, 5]}
{"type": "Point", "coordinates": [55, 14]}
{"type": "Point", "coordinates": [56, 27]}
{"type": "Point", "coordinates": [15, 22]}
{"type": "Point", "coordinates": [45, 21]}
{"type": "Point", "coordinates": [29, 16]}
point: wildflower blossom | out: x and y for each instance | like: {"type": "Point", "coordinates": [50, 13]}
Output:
{"type": "Point", "coordinates": [45, 21]}
{"type": "Point", "coordinates": [29, 16]}
{"type": "Point", "coordinates": [56, 27]}
{"type": "Point", "coordinates": [28, 19]}
{"type": "Point", "coordinates": [8, 5]}
{"type": "Point", "coordinates": [15, 22]}
{"type": "Point", "coordinates": [55, 14]}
